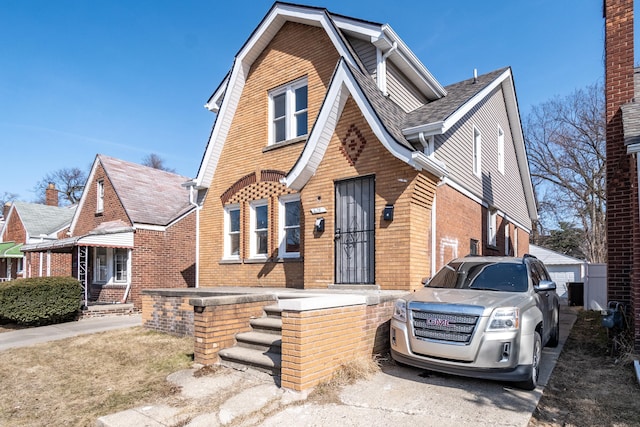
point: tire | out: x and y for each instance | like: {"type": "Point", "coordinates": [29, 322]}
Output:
{"type": "Point", "coordinates": [532, 382]}
{"type": "Point", "coordinates": [554, 338]}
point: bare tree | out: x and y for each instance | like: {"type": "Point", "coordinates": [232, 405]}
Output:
{"type": "Point", "coordinates": [154, 161]}
{"type": "Point", "coordinates": [68, 181]}
{"type": "Point", "coordinates": [565, 139]}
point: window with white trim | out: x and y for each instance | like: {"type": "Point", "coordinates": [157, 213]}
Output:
{"type": "Point", "coordinates": [288, 111]}
{"type": "Point", "coordinates": [492, 230]}
{"type": "Point", "coordinates": [477, 151]}
{"type": "Point", "coordinates": [100, 196]}
{"type": "Point", "coordinates": [111, 265]}
{"type": "Point", "coordinates": [259, 244]}
{"type": "Point", "coordinates": [500, 150]}
{"type": "Point", "coordinates": [232, 231]}
{"type": "Point", "coordinates": [289, 225]}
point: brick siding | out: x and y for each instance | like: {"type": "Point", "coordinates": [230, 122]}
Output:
{"type": "Point", "coordinates": [623, 228]}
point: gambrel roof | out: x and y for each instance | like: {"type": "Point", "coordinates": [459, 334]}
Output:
{"type": "Point", "coordinates": [401, 132]}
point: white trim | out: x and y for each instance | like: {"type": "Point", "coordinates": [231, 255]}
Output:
{"type": "Point", "coordinates": [253, 242]}
{"type": "Point", "coordinates": [476, 156]}
{"type": "Point", "coordinates": [289, 91]}
{"type": "Point", "coordinates": [500, 150]}
{"type": "Point", "coordinates": [282, 216]}
{"type": "Point", "coordinates": [227, 231]}
{"type": "Point", "coordinates": [100, 195]}
{"type": "Point", "coordinates": [342, 85]}
{"type": "Point", "coordinates": [492, 227]}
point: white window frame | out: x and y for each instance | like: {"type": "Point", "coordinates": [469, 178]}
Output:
{"type": "Point", "coordinates": [500, 150]}
{"type": "Point", "coordinates": [100, 196]}
{"type": "Point", "coordinates": [227, 232]}
{"type": "Point", "coordinates": [282, 227]}
{"type": "Point", "coordinates": [290, 113]}
{"type": "Point", "coordinates": [253, 231]}
{"type": "Point", "coordinates": [477, 152]}
{"type": "Point", "coordinates": [110, 266]}
{"type": "Point", "coordinates": [492, 227]}
{"type": "Point", "coordinates": [506, 238]}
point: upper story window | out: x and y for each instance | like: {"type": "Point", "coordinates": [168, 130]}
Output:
{"type": "Point", "coordinates": [477, 151]}
{"type": "Point", "coordinates": [232, 231]}
{"type": "Point", "coordinates": [259, 228]}
{"type": "Point", "coordinates": [289, 226]}
{"type": "Point", "coordinates": [100, 196]}
{"type": "Point", "coordinates": [500, 150]}
{"type": "Point", "coordinates": [288, 111]}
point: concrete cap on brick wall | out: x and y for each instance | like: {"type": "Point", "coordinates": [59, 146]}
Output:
{"type": "Point", "coordinates": [321, 302]}
{"type": "Point", "coordinates": [229, 299]}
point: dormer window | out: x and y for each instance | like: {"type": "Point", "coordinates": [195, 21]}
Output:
{"type": "Point", "coordinates": [288, 111]}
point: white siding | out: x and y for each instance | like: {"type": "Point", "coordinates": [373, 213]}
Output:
{"type": "Point", "coordinates": [367, 54]}
{"type": "Point", "coordinates": [502, 191]}
{"type": "Point", "coordinates": [401, 90]}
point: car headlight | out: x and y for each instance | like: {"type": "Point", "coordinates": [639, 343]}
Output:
{"type": "Point", "coordinates": [504, 319]}
{"type": "Point", "coordinates": [400, 310]}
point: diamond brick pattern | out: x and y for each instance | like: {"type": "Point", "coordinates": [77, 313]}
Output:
{"type": "Point", "coordinates": [353, 144]}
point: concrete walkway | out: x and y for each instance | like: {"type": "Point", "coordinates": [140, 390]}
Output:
{"type": "Point", "coordinates": [395, 396]}
{"type": "Point", "coordinates": [30, 336]}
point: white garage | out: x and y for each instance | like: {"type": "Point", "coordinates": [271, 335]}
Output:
{"type": "Point", "coordinates": [565, 269]}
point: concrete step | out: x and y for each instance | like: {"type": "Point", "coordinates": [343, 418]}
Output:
{"type": "Point", "coordinates": [241, 358]}
{"type": "Point", "coordinates": [268, 325]}
{"type": "Point", "coordinates": [260, 341]}
{"type": "Point", "coordinates": [273, 310]}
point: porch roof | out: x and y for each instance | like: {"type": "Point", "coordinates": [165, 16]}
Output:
{"type": "Point", "coordinates": [10, 250]}
{"type": "Point", "coordinates": [121, 239]}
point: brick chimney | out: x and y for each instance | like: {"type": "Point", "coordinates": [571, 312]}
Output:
{"type": "Point", "coordinates": [623, 227]}
{"type": "Point", "coordinates": [51, 195]}
{"type": "Point", "coordinates": [5, 210]}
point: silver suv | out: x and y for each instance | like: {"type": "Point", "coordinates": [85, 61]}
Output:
{"type": "Point", "coordinates": [483, 317]}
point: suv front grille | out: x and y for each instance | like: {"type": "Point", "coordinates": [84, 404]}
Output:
{"type": "Point", "coordinates": [456, 328]}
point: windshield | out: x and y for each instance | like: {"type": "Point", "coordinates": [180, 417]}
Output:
{"type": "Point", "coordinates": [492, 276]}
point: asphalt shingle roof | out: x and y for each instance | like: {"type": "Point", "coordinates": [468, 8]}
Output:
{"type": "Point", "coordinates": [150, 196]}
{"type": "Point", "coordinates": [457, 95]}
{"type": "Point", "coordinates": [43, 219]}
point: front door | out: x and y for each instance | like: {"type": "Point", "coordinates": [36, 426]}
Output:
{"type": "Point", "coordinates": [354, 231]}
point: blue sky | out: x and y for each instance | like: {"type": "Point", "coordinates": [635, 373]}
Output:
{"type": "Point", "coordinates": [129, 78]}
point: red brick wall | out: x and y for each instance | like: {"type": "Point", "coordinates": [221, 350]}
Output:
{"type": "Point", "coordinates": [88, 218]}
{"type": "Point", "coordinates": [59, 264]}
{"type": "Point", "coordinates": [623, 234]}
{"type": "Point", "coordinates": [14, 230]}
{"type": "Point", "coordinates": [163, 259]}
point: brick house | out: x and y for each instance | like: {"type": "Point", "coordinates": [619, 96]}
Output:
{"type": "Point", "coordinates": [133, 229]}
{"type": "Point", "coordinates": [622, 83]}
{"type": "Point", "coordinates": [30, 223]}
{"type": "Point", "coordinates": [337, 160]}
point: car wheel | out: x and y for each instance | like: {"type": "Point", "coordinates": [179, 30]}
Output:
{"type": "Point", "coordinates": [532, 382]}
{"type": "Point", "coordinates": [554, 338]}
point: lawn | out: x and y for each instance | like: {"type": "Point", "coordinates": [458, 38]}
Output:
{"type": "Point", "coordinates": [74, 381]}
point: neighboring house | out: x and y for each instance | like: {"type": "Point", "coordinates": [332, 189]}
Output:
{"type": "Point", "coordinates": [623, 161]}
{"type": "Point", "coordinates": [134, 229]}
{"type": "Point", "coordinates": [337, 159]}
{"type": "Point", "coordinates": [30, 223]}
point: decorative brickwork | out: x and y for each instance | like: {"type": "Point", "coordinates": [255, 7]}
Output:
{"type": "Point", "coordinates": [237, 186]}
{"type": "Point", "coordinates": [353, 144]}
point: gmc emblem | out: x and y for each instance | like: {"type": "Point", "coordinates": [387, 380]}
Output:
{"type": "Point", "coordinates": [437, 322]}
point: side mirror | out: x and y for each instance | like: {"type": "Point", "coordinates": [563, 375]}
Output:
{"type": "Point", "coordinates": [545, 285]}
{"type": "Point", "coordinates": [425, 280]}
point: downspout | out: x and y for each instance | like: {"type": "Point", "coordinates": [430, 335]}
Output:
{"type": "Point", "coordinates": [194, 202]}
{"type": "Point", "coordinates": [433, 235]}
{"type": "Point", "coordinates": [382, 69]}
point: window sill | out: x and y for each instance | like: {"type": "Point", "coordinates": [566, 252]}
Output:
{"type": "Point", "coordinates": [261, 260]}
{"type": "Point", "coordinates": [286, 143]}
{"type": "Point", "coordinates": [230, 261]}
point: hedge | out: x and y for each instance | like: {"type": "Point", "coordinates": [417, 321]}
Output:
{"type": "Point", "coordinates": [40, 300]}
